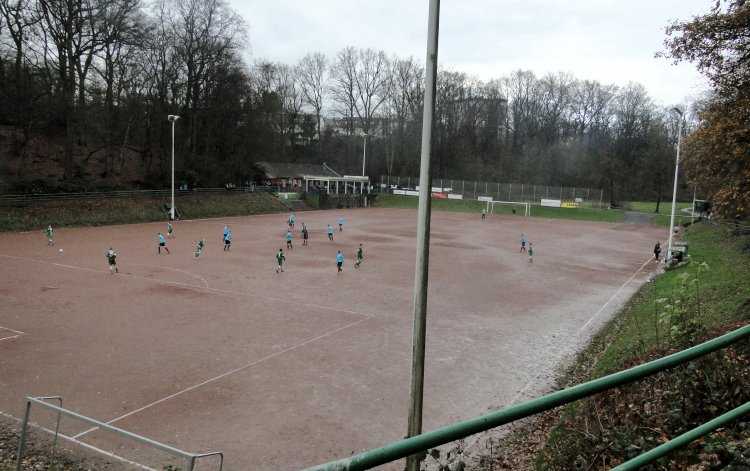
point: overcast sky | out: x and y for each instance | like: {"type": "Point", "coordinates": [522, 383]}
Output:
{"type": "Point", "coordinates": [606, 40]}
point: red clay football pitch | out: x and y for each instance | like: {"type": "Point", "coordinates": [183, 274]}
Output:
{"type": "Point", "coordinates": [289, 370]}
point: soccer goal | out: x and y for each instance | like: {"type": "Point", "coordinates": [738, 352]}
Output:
{"type": "Point", "coordinates": [509, 207]}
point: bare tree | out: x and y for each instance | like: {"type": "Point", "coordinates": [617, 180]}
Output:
{"type": "Point", "coordinates": [343, 87]}
{"type": "Point", "coordinates": [289, 92]}
{"type": "Point", "coordinates": [403, 107]}
{"type": "Point", "coordinates": [17, 17]}
{"type": "Point", "coordinates": [371, 85]}
{"type": "Point", "coordinates": [313, 77]}
{"type": "Point", "coordinates": [63, 22]}
{"type": "Point", "coordinates": [205, 32]}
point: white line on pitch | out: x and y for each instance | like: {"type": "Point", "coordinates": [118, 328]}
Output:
{"type": "Point", "coordinates": [82, 444]}
{"type": "Point", "coordinates": [11, 330]}
{"type": "Point", "coordinates": [205, 283]}
{"type": "Point", "coordinates": [535, 378]}
{"type": "Point", "coordinates": [203, 383]}
{"type": "Point", "coordinates": [11, 337]}
{"type": "Point", "coordinates": [613, 297]}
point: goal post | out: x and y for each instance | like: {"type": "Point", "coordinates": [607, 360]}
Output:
{"type": "Point", "coordinates": [509, 207]}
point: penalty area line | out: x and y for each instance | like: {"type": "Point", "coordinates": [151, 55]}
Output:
{"type": "Point", "coordinates": [223, 375]}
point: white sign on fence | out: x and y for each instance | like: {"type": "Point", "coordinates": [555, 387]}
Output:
{"type": "Point", "coordinates": [451, 196]}
{"type": "Point", "coordinates": [551, 203]}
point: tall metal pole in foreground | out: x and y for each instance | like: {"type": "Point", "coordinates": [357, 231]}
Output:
{"type": "Point", "coordinates": [172, 118]}
{"type": "Point", "coordinates": [423, 236]}
{"type": "Point", "coordinates": [668, 258]}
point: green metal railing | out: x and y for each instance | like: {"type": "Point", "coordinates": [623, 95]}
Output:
{"type": "Point", "coordinates": [687, 437]}
{"type": "Point", "coordinates": [441, 436]}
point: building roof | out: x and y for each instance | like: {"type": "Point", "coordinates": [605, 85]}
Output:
{"type": "Point", "coordinates": [290, 170]}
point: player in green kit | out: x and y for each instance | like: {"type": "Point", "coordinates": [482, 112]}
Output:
{"type": "Point", "coordinates": [199, 247]}
{"type": "Point", "coordinates": [49, 231]}
{"type": "Point", "coordinates": [531, 253]}
{"type": "Point", "coordinates": [280, 259]}
{"type": "Point", "coordinates": [360, 254]}
{"type": "Point", "coordinates": [169, 230]}
{"type": "Point", "coordinates": [112, 258]}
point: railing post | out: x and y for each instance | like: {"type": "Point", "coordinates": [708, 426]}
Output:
{"type": "Point", "coordinates": [22, 439]}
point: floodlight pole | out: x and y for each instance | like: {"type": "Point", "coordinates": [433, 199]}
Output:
{"type": "Point", "coordinates": [668, 258]}
{"type": "Point", "coordinates": [364, 153]}
{"type": "Point", "coordinates": [423, 237]}
{"type": "Point", "coordinates": [172, 118]}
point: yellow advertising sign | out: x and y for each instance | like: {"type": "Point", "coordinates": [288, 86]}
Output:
{"type": "Point", "coordinates": [569, 205]}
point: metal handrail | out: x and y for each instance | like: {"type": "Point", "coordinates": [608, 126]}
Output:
{"type": "Point", "coordinates": [441, 436]}
{"type": "Point", "coordinates": [39, 401]}
{"type": "Point", "coordinates": [687, 437]}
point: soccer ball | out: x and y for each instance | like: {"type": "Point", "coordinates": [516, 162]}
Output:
{"type": "Point", "coordinates": [61, 250]}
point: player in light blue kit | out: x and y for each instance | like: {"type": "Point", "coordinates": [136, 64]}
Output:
{"type": "Point", "coordinates": [162, 243]}
{"type": "Point", "coordinates": [228, 241]}
{"type": "Point", "coordinates": [339, 260]}
{"type": "Point", "coordinates": [341, 223]}
{"type": "Point", "coordinates": [330, 233]}
{"type": "Point", "coordinates": [289, 239]}
{"type": "Point", "coordinates": [523, 243]}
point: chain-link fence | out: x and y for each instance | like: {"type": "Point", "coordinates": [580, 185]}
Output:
{"type": "Point", "coordinates": [501, 191]}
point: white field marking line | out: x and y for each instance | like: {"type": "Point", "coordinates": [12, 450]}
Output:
{"type": "Point", "coordinates": [205, 283]}
{"type": "Point", "coordinates": [82, 444]}
{"type": "Point", "coordinates": [11, 330]}
{"type": "Point", "coordinates": [613, 297]}
{"type": "Point", "coordinates": [11, 337]}
{"type": "Point", "coordinates": [195, 287]}
{"type": "Point", "coordinates": [533, 380]}
{"type": "Point", "coordinates": [203, 383]}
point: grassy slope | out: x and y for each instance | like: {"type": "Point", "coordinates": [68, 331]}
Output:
{"type": "Point", "coordinates": [106, 211]}
{"type": "Point", "coordinates": [713, 291]}
{"type": "Point", "coordinates": [722, 290]}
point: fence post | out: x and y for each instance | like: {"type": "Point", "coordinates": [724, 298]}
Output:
{"type": "Point", "coordinates": [521, 192]}
{"type": "Point", "coordinates": [510, 190]}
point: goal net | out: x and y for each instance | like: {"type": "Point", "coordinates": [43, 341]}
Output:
{"type": "Point", "coordinates": [509, 207]}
